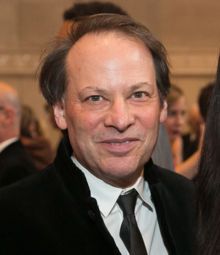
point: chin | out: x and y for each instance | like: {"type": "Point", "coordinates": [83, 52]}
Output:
{"type": "Point", "coordinates": [175, 137]}
{"type": "Point", "coordinates": [126, 170]}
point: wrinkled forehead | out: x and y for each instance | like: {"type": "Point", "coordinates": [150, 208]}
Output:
{"type": "Point", "coordinates": [109, 62]}
{"type": "Point", "coordinates": [98, 36]}
{"type": "Point", "coordinates": [105, 45]}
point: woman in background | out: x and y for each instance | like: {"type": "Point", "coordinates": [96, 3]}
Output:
{"type": "Point", "coordinates": [30, 126]}
{"type": "Point", "coordinates": [174, 125]}
{"type": "Point", "coordinates": [32, 138]}
{"type": "Point", "coordinates": [175, 122]}
{"type": "Point", "coordinates": [209, 180]}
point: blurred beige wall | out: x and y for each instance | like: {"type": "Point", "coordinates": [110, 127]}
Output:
{"type": "Point", "coordinates": [188, 29]}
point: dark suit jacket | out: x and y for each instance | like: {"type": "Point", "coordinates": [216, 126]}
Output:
{"type": "Point", "coordinates": [15, 164]}
{"type": "Point", "coordinates": [52, 212]}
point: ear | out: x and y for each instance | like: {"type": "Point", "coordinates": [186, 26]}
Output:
{"type": "Point", "coordinates": [8, 115]}
{"type": "Point", "coordinates": [59, 115]}
{"type": "Point", "coordinates": [163, 112]}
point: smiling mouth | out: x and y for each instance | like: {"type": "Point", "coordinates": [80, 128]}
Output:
{"type": "Point", "coordinates": [120, 141]}
{"type": "Point", "coordinates": [119, 147]}
{"type": "Point", "coordinates": [126, 142]}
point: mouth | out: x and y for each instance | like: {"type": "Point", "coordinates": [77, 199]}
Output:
{"type": "Point", "coordinates": [175, 132]}
{"type": "Point", "coordinates": [120, 141]}
{"type": "Point", "coordinates": [126, 142]}
{"type": "Point", "coordinates": [119, 146]}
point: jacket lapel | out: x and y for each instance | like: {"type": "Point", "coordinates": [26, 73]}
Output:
{"type": "Point", "coordinates": [159, 200]}
{"type": "Point", "coordinates": [77, 185]}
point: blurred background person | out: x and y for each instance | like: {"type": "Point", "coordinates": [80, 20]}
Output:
{"type": "Point", "coordinates": [175, 121]}
{"type": "Point", "coordinates": [174, 125]}
{"type": "Point", "coordinates": [37, 146]}
{"type": "Point", "coordinates": [192, 138]}
{"type": "Point", "coordinates": [30, 126]}
{"type": "Point", "coordinates": [85, 9]}
{"type": "Point", "coordinates": [15, 163]}
{"type": "Point", "coordinates": [208, 180]}
{"type": "Point", "coordinates": [189, 167]}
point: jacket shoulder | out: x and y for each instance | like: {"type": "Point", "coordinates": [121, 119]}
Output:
{"type": "Point", "coordinates": [29, 189]}
{"type": "Point", "coordinates": [174, 181]}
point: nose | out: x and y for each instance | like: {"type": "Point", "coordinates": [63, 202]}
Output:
{"type": "Point", "coordinates": [120, 116]}
{"type": "Point", "coordinates": [180, 120]}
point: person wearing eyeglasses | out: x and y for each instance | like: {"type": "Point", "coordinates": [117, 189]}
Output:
{"type": "Point", "coordinates": [15, 163]}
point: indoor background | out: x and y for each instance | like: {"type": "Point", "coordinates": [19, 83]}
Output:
{"type": "Point", "coordinates": [190, 31]}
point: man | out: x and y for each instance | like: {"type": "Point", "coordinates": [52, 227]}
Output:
{"type": "Point", "coordinates": [107, 85]}
{"type": "Point", "coordinates": [14, 161]}
{"type": "Point", "coordinates": [162, 155]}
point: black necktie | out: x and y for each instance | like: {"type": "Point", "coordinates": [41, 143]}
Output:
{"type": "Point", "coordinates": [129, 232]}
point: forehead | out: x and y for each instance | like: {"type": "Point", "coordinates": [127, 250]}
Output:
{"type": "Point", "coordinates": [110, 55]}
{"type": "Point", "coordinates": [180, 102]}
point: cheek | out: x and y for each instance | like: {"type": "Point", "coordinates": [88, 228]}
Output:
{"type": "Point", "coordinates": [150, 119]}
{"type": "Point", "coordinates": [82, 122]}
{"type": "Point", "coordinates": [168, 123]}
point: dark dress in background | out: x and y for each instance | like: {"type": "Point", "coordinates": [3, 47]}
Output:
{"type": "Point", "coordinates": [190, 146]}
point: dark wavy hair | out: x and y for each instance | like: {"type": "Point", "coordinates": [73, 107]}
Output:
{"type": "Point", "coordinates": [204, 99]}
{"type": "Point", "coordinates": [209, 180]}
{"type": "Point", "coordinates": [54, 76]}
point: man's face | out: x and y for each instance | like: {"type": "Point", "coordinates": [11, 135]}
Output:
{"type": "Point", "coordinates": [111, 106]}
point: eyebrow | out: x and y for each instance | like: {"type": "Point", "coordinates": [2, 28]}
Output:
{"type": "Point", "coordinates": [104, 91]}
{"type": "Point", "coordinates": [139, 85]}
{"type": "Point", "coordinates": [94, 89]}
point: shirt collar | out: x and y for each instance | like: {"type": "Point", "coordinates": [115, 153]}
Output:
{"type": "Point", "coordinates": [6, 143]}
{"type": "Point", "coordinates": [107, 195]}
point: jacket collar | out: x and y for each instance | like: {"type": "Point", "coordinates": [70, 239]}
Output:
{"type": "Point", "coordinates": [77, 185]}
{"type": "Point", "coordinates": [74, 177]}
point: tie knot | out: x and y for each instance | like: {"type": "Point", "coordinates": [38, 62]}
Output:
{"type": "Point", "coordinates": [127, 202]}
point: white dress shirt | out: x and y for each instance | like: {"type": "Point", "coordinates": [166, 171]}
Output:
{"type": "Point", "coordinates": [6, 143]}
{"type": "Point", "coordinates": [145, 213]}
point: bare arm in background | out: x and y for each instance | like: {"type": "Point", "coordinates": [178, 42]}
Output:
{"type": "Point", "coordinates": [189, 168]}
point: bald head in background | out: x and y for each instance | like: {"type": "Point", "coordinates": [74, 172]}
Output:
{"type": "Point", "coordinates": [10, 112]}
{"type": "Point", "coordinates": [15, 163]}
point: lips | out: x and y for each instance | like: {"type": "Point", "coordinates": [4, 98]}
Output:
{"type": "Point", "coordinates": [119, 146]}
{"type": "Point", "coordinates": [119, 141]}
{"type": "Point", "coordinates": [174, 132]}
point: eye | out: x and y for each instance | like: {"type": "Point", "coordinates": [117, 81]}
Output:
{"type": "Point", "coordinates": [139, 94]}
{"type": "Point", "coordinates": [183, 113]}
{"type": "Point", "coordinates": [95, 98]}
{"type": "Point", "coordinates": [171, 113]}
